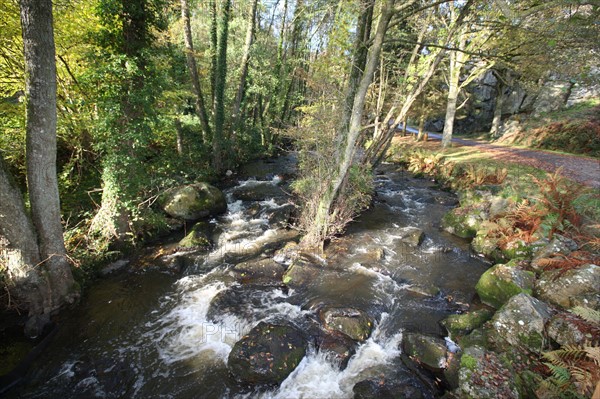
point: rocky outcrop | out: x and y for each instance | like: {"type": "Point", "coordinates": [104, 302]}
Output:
{"type": "Point", "coordinates": [501, 282]}
{"type": "Point", "coordinates": [349, 321]}
{"type": "Point", "coordinates": [193, 202]}
{"type": "Point", "coordinates": [571, 288]}
{"type": "Point", "coordinates": [552, 96]}
{"type": "Point", "coordinates": [267, 355]}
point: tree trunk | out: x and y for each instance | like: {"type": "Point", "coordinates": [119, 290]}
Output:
{"type": "Point", "coordinates": [213, 48]}
{"type": "Point", "coordinates": [220, 80]}
{"type": "Point", "coordinates": [244, 69]}
{"type": "Point", "coordinates": [179, 132]}
{"type": "Point", "coordinates": [420, 135]}
{"type": "Point", "coordinates": [320, 228]}
{"type": "Point", "coordinates": [193, 68]}
{"type": "Point", "coordinates": [457, 59]}
{"type": "Point", "coordinates": [40, 72]}
{"type": "Point", "coordinates": [497, 121]}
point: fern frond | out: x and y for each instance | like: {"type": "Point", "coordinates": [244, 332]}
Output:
{"type": "Point", "coordinates": [590, 315]}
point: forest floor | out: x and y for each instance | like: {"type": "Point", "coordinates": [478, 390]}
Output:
{"type": "Point", "coordinates": [582, 169]}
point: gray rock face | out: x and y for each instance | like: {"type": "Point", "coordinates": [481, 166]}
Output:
{"type": "Point", "coordinates": [267, 355]}
{"type": "Point", "coordinates": [353, 322]}
{"type": "Point", "coordinates": [520, 322]}
{"type": "Point", "coordinates": [567, 329]}
{"type": "Point", "coordinates": [574, 287]}
{"type": "Point", "coordinates": [193, 201]}
{"type": "Point", "coordinates": [483, 376]}
{"type": "Point", "coordinates": [582, 93]}
{"type": "Point", "coordinates": [552, 97]}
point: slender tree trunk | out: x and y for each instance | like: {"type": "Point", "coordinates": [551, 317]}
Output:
{"type": "Point", "coordinates": [497, 121]}
{"type": "Point", "coordinates": [244, 69]}
{"type": "Point", "coordinates": [421, 127]}
{"type": "Point", "coordinates": [320, 228]}
{"type": "Point", "coordinates": [213, 48]}
{"type": "Point", "coordinates": [179, 132]}
{"type": "Point", "coordinates": [220, 80]}
{"type": "Point", "coordinates": [40, 73]}
{"type": "Point", "coordinates": [457, 60]}
{"type": "Point", "coordinates": [193, 69]}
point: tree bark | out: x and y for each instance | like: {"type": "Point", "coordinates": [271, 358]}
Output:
{"type": "Point", "coordinates": [421, 135]}
{"type": "Point", "coordinates": [220, 81]}
{"type": "Point", "coordinates": [497, 121]}
{"type": "Point", "coordinates": [193, 68]}
{"type": "Point", "coordinates": [40, 72]}
{"type": "Point", "coordinates": [244, 69]}
{"type": "Point", "coordinates": [320, 228]}
{"type": "Point", "coordinates": [457, 59]}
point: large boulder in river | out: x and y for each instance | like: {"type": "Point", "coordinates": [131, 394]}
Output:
{"type": "Point", "coordinates": [353, 322]}
{"type": "Point", "coordinates": [267, 355]}
{"type": "Point", "coordinates": [520, 323]}
{"type": "Point", "coordinates": [574, 287]}
{"type": "Point", "coordinates": [411, 236]}
{"type": "Point", "coordinates": [501, 282]}
{"type": "Point", "coordinates": [338, 347]}
{"type": "Point", "coordinates": [483, 375]}
{"type": "Point", "coordinates": [194, 201]}
{"type": "Point", "coordinates": [197, 238]}
{"type": "Point", "coordinates": [304, 269]}
{"type": "Point", "coordinates": [259, 272]}
{"type": "Point", "coordinates": [258, 191]}
{"type": "Point", "coordinates": [429, 351]}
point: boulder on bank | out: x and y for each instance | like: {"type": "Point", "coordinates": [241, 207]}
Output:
{"type": "Point", "coordinates": [482, 375]}
{"type": "Point", "coordinates": [429, 351]}
{"type": "Point", "coordinates": [267, 355]}
{"type": "Point", "coordinates": [501, 282]}
{"type": "Point", "coordinates": [520, 323]}
{"type": "Point", "coordinates": [193, 202]}
{"type": "Point", "coordinates": [566, 328]}
{"type": "Point", "coordinates": [354, 323]}
{"type": "Point", "coordinates": [574, 287]}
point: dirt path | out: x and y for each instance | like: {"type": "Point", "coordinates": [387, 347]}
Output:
{"type": "Point", "coordinates": [584, 170]}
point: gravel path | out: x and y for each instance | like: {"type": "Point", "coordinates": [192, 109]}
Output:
{"type": "Point", "coordinates": [584, 170]}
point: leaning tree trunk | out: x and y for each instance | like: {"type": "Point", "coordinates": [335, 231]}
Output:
{"type": "Point", "coordinates": [319, 231]}
{"type": "Point", "coordinates": [40, 72]}
{"type": "Point", "coordinates": [237, 104]}
{"type": "Point", "coordinates": [193, 68]}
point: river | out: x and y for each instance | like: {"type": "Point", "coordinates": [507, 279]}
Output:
{"type": "Point", "coordinates": [155, 333]}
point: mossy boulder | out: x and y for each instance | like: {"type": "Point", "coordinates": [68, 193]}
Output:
{"type": "Point", "coordinates": [429, 351]}
{"type": "Point", "coordinates": [461, 324]}
{"type": "Point", "coordinates": [197, 238]}
{"type": "Point", "coordinates": [501, 282]}
{"type": "Point", "coordinates": [193, 202]}
{"type": "Point", "coordinates": [461, 223]}
{"type": "Point", "coordinates": [565, 328]}
{"type": "Point", "coordinates": [267, 355]}
{"type": "Point", "coordinates": [576, 287]}
{"type": "Point", "coordinates": [354, 323]}
{"type": "Point", "coordinates": [482, 375]}
{"type": "Point", "coordinates": [520, 323]}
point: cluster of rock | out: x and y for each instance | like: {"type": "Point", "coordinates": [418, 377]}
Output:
{"type": "Point", "coordinates": [526, 308]}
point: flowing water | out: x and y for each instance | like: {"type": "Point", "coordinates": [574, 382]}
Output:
{"type": "Point", "coordinates": [155, 334]}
